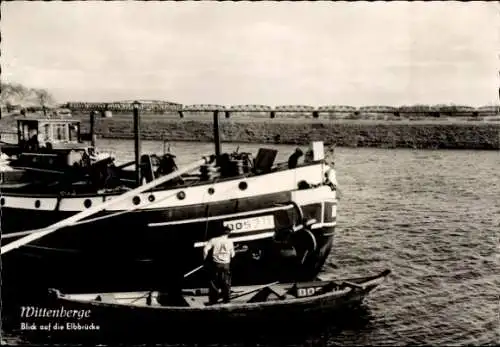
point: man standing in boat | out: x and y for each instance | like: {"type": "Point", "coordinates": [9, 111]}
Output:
{"type": "Point", "coordinates": [222, 251]}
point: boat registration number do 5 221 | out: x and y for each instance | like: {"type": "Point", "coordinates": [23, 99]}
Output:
{"type": "Point", "coordinates": [250, 224]}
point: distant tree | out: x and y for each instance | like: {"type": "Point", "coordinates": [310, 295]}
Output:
{"type": "Point", "coordinates": [42, 98]}
{"type": "Point", "coordinates": [11, 94]}
{"type": "Point", "coordinates": [12, 91]}
{"type": "Point", "coordinates": [14, 94]}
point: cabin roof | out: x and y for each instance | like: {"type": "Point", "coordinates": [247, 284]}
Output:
{"type": "Point", "coordinates": [50, 120]}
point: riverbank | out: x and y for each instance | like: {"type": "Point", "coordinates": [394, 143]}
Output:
{"type": "Point", "coordinates": [343, 133]}
{"type": "Point", "coordinates": [405, 133]}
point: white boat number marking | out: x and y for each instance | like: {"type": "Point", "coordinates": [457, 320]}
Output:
{"type": "Point", "coordinates": [250, 224]}
{"type": "Point", "coordinates": [303, 292]}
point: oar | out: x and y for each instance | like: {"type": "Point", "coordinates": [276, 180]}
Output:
{"type": "Point", "coordinates": [353, 285]}
{"type": "Point", "coordinates": [38, 233]}
{"type": "Point", "coordinates": [151, 292]}
{"type": "Point", "coordinates": [193, 271]}
{"type": "Point", "coordinates": [202, 265]}
{"type": "Point", "coordinates": [253, 290]}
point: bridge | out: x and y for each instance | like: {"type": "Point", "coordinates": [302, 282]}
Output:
{"type": "Point", "coordinates": [167, 106]}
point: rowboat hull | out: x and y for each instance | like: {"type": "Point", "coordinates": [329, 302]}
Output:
{"type": "Point", "coordinates": [112, 319]}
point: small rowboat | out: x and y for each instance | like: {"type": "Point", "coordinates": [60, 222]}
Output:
{"type": "Point", "coordinates": [271, 305]}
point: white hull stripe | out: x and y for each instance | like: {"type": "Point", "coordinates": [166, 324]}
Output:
{"type": "Point", "coordinates": [276, 182]}
{"type": "Point", "coordinates": [301, 197]}
{"type": "Point", "coordinates": [323, 225]}
{"type": "Point", "coordinates": [268, 234]}
{"type": "Point", "coordinates": [225, 216]}
{"type": "Point", "coordinates": [243, 238]}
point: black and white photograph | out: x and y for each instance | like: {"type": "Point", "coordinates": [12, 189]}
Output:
{"type": "Point", "coordinates": [250, 173]}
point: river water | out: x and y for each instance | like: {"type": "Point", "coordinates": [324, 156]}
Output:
{"type": "Point", "coordinates": [433, 217]}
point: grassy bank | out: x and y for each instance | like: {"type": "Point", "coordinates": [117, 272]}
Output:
{"type": "Point", "coordinates": [345, 133]}
{"type": "Point", "coordinates": [422, 134]}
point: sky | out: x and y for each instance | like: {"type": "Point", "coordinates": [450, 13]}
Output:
{"type": "Point", "coordinates": [269, 53]}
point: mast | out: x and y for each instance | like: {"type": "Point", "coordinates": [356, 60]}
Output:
{"type": "Point", "coordinates": [92, 128]}
{"type": "Point", "coordinates": [216, 133]}
{"type": "Point", "coordinates": [137, 142]}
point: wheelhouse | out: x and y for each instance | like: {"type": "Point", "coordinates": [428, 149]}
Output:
{"type": "Point", "coordinates": [49, 133]}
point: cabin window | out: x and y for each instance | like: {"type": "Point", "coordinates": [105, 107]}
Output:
{"type": "Point", "coordinates": [73, 132]}
{"type": "Point", "coordinates": [57, 132]}
{"type": "Point", "coordinates": [46, 132]}
{"type": "Point", "coordinates": [26, 132]}
{"type": "Point", "coordinates": [61, 132]}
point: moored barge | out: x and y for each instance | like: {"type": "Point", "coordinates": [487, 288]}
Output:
{"type": "Point", "coordinates": [282, 217]}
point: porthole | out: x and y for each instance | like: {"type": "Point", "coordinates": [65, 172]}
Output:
{"type": "Point", "coordinates": [37, 203]}
{"type": "Point", "coordinates": [136, 200]}
{"type": "Point", "coordinates": [2, 201]}
{"type": "Point", "coordinates": [151, 198]}
{"type": "Point", "coordinates": [243, 185]}
{"type": "Point", "coordinates": [87, 203]}
{"type": "Point", "coordinates": [181, 195]}
{"type": "Point", "coordinates": [211, 190]}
